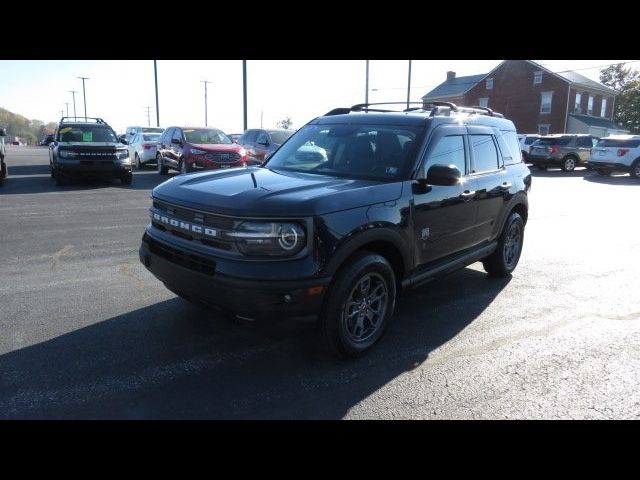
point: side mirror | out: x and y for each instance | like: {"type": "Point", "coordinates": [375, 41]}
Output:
{"type": "Point", "coordinates": [124, 141]}
{"type": "Point", "coordinates": [443, 175]}
{"type": "Point", "coordinates": [176, 141]}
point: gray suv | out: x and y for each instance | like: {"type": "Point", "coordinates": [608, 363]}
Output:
{"type": "Point", "coordinates": [565, 151]}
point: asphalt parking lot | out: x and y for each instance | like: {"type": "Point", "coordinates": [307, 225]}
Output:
{"type": "Point", "coordinates": [87, 332]}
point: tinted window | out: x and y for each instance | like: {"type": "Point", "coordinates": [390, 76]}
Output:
{"type": "Point", "coordinates": [554, 141]}
{"type": "Point", "coordinates": [150, 137]}
{"type": "Point", "coordinates": [359, 151]}
{"type": "Point", "coordinates": [166, 136]}
{"type": "Point", "coordinates": [585, 142]}
{"type": "Point", "coordinates": [448, 151]}
{"type": "Point", "coordinates": [250, 136]}
{"type": "Point", "coordinates": [514, 155]}
{"type": "Point", "coordinates": [530, 140]}
{"type": "Point", "coordinates": [177, 134]}
{"type": "Point", "coordinates": [485, 154]}
{"type": "Point", "coordinates": [619, 143]}
{"type": "Point", "coordinates": [263, 138]}
{"type": "Point", "coordinates": [206, 136]}
{"type": "Point", "coordinates": [86, 133]}
{"type": "Point", "coordinates": [151, 130]}
{"type": "Point", "coordinates": [280, 137]}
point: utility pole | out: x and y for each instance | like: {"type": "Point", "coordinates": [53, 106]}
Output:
{"type": "Point", "coordinates": [409, 85]}
{"type": "Point", "coordinates": [67, 104]}
{"type": "Point", "coordinates": [73, 92]}
{"type": "Point", "coordinates": [366, 91]}
{"type": "Point", "coordinates": [148, 116]}
{"type": "Point", "coordinates": [62, 112]}
{"type": "Point", "coordinates": [244, 91]}
{"type": "Point", "coordinates": [206, 124]}
{"type": "Point", "coordinates": [155, 72]}
{"type": "Point", "coordinates": [84, 96]}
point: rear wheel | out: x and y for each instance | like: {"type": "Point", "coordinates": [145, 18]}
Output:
{"type": "Point", "coordinates": [162, 169]}
{"type": "Point", "coordinates": [138, 164]}
{"type": "Point", "coordinates": [61, 178]}
{"type": "Point", "coordinates": [568, 164]}
{"type": "Point", "coordinates": [635, 169]}
{"type": "Point", "coordinates": [359, 304]}
{"type": "Point", "coordinates": [504, 259]}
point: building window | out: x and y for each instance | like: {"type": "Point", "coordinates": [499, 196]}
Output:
{"type": "Point", "coordinates": [543, 129]}
{"type": "Point", "coordinates": [578, 108]}
{"type": "Point", "coordinates": [590, 105]}
{"type": "Point", "coordinates": [545, 103]}
{"type": "Point", "coordinates": [483, 102]}
{"type": "Point", "coordinates": [603, 107]}
{"type": "Point", "coordinates": [537, 77]}
{"type": "Point", "coordinates": [489, 83]}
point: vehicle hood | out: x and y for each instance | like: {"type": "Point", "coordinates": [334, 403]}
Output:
{"type": "Point", "coordinates": [217, 147]}
{"type": "Point", "coordinates": [254, 191]}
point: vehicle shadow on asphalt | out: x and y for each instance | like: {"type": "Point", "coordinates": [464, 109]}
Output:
{"type": "Point", "coordinates": [174, 360]}
{"type": "Point", "coordinates": [614, 179]}
{"type": "Point", "coordinates": [36, 179]}
{"type": "Point", "coordinates": [557, 172]}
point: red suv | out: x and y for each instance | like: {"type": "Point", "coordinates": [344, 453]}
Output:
{"type": "Point", "coordinates": [188, 149]}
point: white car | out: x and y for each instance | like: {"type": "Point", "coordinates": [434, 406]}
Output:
{"type": "Point", "coordinates": [616, 153]}
{"type": "Point", "coordinates": [132, 131]}
{"type": "Point", "coordinates": [526, 140]}
{"type": "Point", "coordinates": [142, 149]}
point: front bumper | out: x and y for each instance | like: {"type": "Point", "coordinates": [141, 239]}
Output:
{"type": "Point", "coordinates": [194, 277]}
{"type": "Point", "coordinates": [92, 167]}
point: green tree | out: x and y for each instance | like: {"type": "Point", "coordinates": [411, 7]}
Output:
{"type": "Point", "coordinates": [627, 82]}
{"type": "Point", "coordinates": [285, 123]}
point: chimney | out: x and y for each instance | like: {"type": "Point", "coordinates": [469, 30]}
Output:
{"type": "Point", "coordinates": [451, 76]}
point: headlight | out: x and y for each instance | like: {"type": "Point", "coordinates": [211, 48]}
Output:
{"type": "Point", "coordinates": [272, 239]}
{"type": "Point", "coordinates": [195, 151]}
{"type": "Point", "coordinates": [122, 154]}
{"type": "Point", "coordinates": [67, 154]}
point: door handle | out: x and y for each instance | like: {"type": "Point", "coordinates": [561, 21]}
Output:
{"type": "Point", "coordinates": [505, 186]}
{"type": "Point", "coordinates": [467, 195]}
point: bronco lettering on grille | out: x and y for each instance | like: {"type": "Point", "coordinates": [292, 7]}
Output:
{"type": "Point", "coordinates": [185, 225]}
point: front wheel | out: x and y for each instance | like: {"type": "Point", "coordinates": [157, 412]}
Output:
{"type": "Point", "coordinates": [184, 167]}
{"type": "Point", "coordinates": [162, 169]}
{"type": "Point", "coordinates": [360, 302]}
{"type": "Point", "coordinates": [635, 169]}
{"type": "Point", "coordinates": [127, 178]}
{"type": "Point", "coordinates": [504, 259]}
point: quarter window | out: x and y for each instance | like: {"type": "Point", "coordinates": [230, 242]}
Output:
{"type": "Point", "coordinates": [485, 153]}
{"type": "Point", "coordinates": [537, 77]}
{"type": "Point", "coordinates": [448, 151]}
{"type": "Point", "coordinates": [545, 103]}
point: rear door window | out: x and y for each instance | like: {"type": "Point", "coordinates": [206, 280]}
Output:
{"type": "Point", "coordinates": [485, 153]}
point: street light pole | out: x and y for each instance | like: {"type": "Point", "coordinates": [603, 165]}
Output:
{"type": "Point", "coordinates": [366, 92]}
{"type": "Point", "coordinates": [155, 73]}
{"type": "Point", "coordinates": [206, 124]}
{"type": "Point", "coordinates": [409, 85]}
{"type": "Point", "coordinates": [67, 104]}
{"type": "Point", "coordinates": [84, 96]}
{"type": "Point", "coordinates": [73, 92]}
{"type": "Point", "coordinates": [244, 91]}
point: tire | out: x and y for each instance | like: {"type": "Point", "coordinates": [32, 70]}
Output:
{"type": "Point", "coordinates": [568, 163]}
{"type": "Point", "coordinates": [126, 178]}
{"type": "Point", "coordinates": [505, 258]}
{"type": "Point", "coordinates": [162, 169]}
{"type": "Point", "coordinates": [352, 338]}
{"type": "Point", "coordinates": [138, 164]}
{"type": "Point", "coordinates": [634, 171]}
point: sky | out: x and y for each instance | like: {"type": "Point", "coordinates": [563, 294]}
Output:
{"type": "Point", "coordinates": [120, 90]}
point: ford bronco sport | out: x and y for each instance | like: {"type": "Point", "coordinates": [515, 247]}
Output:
{"type": "Point", "coordinates": [356, 206]}
{"type": "Point", "coordinates": [88, 147]}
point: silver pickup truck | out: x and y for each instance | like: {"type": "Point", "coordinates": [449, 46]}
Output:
{"type": "Point", "coordinates": [3, 166]}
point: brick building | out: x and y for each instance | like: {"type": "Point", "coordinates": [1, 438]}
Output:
{"type": "Point", "coordinates": [536, 99]}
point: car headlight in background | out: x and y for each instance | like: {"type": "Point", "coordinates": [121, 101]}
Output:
{"type": "Point", "coordinates": [274, 239]}
{"type": "Point", "coordinates": [196, 151]}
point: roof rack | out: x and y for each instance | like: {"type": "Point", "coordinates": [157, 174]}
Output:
{"type": "Point", "coordinates": [482, 111]}
{"type": "Point", "coordinates": [436, 108]}
{"type": "Point", "coordinates": [83, 120]}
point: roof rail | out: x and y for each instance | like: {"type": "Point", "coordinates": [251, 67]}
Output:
{"type": "Point", "coordinates": [365, 106]}
{"type": "Point", "coordinates": [482, 111]}
{"type": "Point", "coordinates": [83, 120]}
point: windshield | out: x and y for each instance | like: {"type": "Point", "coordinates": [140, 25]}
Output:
{"type": "Point", "coordinates": [152, 130]}
{"type": "Point", "coordinates": [279, 137]}
{"type": "Point", "coordinates": [86, 133]}
{"type": "Point", "coordinates": [371, 151]}
{"type": "Point", "coordinates": [553, 141]}
{"type": "Point", "coordinates": [150, 137]}
{"type": "Point", "coordinates": [618, 142]}
{"type": "Point", "coordinates": [530, 140]}
{"type": "Point", "coordinates": [206, 136]}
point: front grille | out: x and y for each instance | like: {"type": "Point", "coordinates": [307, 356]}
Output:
{"type": "Point", "coordinates": [223, 157]}
{"type": "Point", "coordinates": [188, 260]}
{"type": "Point", "coordinates": [83, 153]}
{"type": "Point", "coordinates": [211, 220]}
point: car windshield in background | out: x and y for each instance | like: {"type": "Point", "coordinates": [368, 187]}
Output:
{"type": "Point", "coordinates": [553, 141]}
{"type": "Point", "coordinates": [529, 140]}
{"type": "Point", "coordinates": [369, 151]}
{"type": "Point", "coordinates": [279, 137]}
{"type": "Point", "coordinates": [618, 143]}
{"type": "Point", "coordinates": [152, 130]}
{"type": "Point", "coordinates": [150, 137]}
{"type": "Point", "coordinates": [86, 133]}
{"type": "Point", "coordinates": [205, 136]}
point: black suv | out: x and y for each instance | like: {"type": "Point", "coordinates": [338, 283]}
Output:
{"type": "Point", "coordinates": [88, 147]}
{"type": "Point", "coordinates": [354, 207]}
